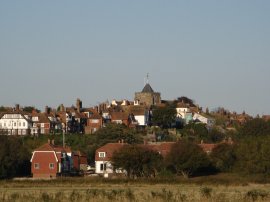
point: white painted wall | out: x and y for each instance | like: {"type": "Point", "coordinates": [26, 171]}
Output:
{"type": "Point", "coordinates": [14, 122]}
{"type": "Point", "coordinates": [141, 119]}
{"type": "Point", "coordinates": [203, 119]}
{"type": "Point", "coordinates": [109, 168]}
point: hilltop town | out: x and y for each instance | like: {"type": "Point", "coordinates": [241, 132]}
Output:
{"type": "Point", "coordinates": [137, 113]}
{"type": "Point", "coordinates": [98, 140]}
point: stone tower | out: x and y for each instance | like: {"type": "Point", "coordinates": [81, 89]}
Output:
{"type": "Point", "coordinates": [148, 96]}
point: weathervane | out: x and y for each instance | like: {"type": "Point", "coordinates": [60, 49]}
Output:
{"type": "Point", "coordinates": [147, 78]}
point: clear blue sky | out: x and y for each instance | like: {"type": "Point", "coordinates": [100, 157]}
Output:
{"type": "Point", "coordinates": [215, 52]}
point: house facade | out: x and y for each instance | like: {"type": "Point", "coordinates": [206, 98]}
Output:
{"type": "Point", "coordinates": [49, 161]}
{"type": "Point", "coordinates": [94, 123]}
{"type": "Point", "coordinates": [104, 155]}
{"type": "Point", "coordinates": [15, 122]}
{"type": "Point", "coordinates": [203, 119]}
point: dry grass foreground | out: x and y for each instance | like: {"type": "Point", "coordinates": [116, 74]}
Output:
{"type": "Point", "coordinates": [100, 190]}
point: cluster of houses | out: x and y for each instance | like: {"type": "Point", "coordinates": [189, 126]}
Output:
{"type": "Point", "coordinates": [77, 119]}
{"type": "Point", "coordinates": [50, 161]}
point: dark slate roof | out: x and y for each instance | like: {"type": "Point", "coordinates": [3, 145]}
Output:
{"type": "Point", "coordinates": [147, 89]}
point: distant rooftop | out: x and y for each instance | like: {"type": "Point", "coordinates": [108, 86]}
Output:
{"type": "Point", "coordinates": [147, 89]}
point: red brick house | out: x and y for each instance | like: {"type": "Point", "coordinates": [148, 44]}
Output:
{"type": "Point", "coordinates": [49, 161]}
{"type": "Point", "coordinates": [120, 118]}
{"type": "Point", "coordinates": [94, 123]}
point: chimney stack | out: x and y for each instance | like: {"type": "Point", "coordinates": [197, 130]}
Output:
{"type": "Point", "coordinates": [62, 108]}
{"type": "Point", "coordinates": [47, 110]}
{"type": "Point", "coordinates": [78, 105]}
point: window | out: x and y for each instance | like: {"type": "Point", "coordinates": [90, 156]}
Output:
{"type": "Point", "coordinates": [35, 118]}
{"type": "Point", "coordinates": [51, 165]}
{"type": "Point", "coordinates": [19, 123]}
{"type": "Point", "coordinates": [101, 154]}
{"type": "Point", "coordinates": [42, 125]}
{"type": "Point", "coordinates": [36, 165]}
{"type": "Point", "coordinates": [14, 124]}
{"type": "Point", "coordinates": [103, 166]}
{"type": "Point", "coordinates": [23, 123]}
{"type": "Point", "coordinates": [94, 121]}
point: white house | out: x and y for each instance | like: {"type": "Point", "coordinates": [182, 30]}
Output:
{"type": "Point", "coordinates": [15, 123]}
{"type": "Point", "coordinates": [183, 113]}
{"type": "Point", "coordinates": [203, 119]}
{"type": "Point", "coordinates": [103, 158]}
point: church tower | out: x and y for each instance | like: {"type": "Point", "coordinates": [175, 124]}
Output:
{"type": "Point", "coordinates": [148, 96]}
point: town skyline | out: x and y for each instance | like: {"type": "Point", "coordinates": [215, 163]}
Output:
{"type": "Point", "coordinates": [215, 53]}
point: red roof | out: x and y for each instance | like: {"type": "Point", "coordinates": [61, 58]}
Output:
{"type": "Point", "coordinates": [119, 116]}
{"type": "Point", "coordinates": [109, 149]}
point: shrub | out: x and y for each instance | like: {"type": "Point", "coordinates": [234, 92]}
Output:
{"type": "Point", "coordinates": [206, 192]}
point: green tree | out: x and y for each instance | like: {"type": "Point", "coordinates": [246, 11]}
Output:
{"type": "Point", "coordinates": [223, 157]}
{"type": "Point", "coordinates": [116, 132]}
{"type": "Point", "coordinates": [187, 158]}
{"type": "Point", "coordinates": [255, 127]}
{"type": "Point", "coordinates": [3, 109]}
{"type": "Point", "coordinates": [253, 155]}
{"type": "Point", "coordinates": [137, 161]}
{"type": "Point", "coordinates": [164, 117]}
{"type": "Point", "coordinates": [29, 109]}
{"type": "Point", "coordinates": [14, 157]}
{"type": "Point", "coordinates": [195, 132]}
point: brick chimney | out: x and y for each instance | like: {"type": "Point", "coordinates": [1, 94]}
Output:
{"type": "Point", "coordinates": [17, 107]}
{"type": "Point", "coordinates": [47, 110]}
{"type": "Point", "coordinates": [78, 105]}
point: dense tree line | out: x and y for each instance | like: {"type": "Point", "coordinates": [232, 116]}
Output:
{"type": "Point", "coordinates": [14, 157]}
{"type": "Point", "coordinates": [249, 154]}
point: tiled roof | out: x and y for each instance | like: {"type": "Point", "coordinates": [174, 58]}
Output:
{"type": "Point", "coordinates": [45, 147]}
{"type": "Point", "coordinates": [147, 89]}
{"type": "Point", "coordinates": [109, 149]}
{"type": "Point", "coordinates": [52, 147]}
{"type": "Point", "coordinates": [137, 110]}
{"type": "Point", "coordinates": [162, 148]}
{"type": "Point", "coordinates": [119, 116]}
{"type": "Point", "coordinates": [95, 116]}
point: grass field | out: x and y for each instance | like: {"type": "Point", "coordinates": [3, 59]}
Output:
{"type": "Point", "coordinates": [92, 189]}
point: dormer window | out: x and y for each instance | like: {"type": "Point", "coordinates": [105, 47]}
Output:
{"type": "Point", "coordinates": [101, 154]}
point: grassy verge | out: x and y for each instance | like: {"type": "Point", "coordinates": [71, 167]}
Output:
{"type": "Point", "coordinates": [212, 188]}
